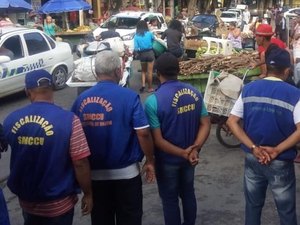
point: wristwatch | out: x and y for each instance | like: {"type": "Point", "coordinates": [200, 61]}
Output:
{"type": "Point", "coordinates": [253, 147]}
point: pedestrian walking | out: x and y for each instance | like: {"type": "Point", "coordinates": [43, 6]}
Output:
{"type": "Point", "coordinates": [118, 134]}
{"type": "Point", "coordinates": [49, 161]}
{"type": "Point", "coordinates": [270, 110]}
{"type": "Point", "coordinates": [4, 218]}
{"type": "Point", "coordinates": [246, 16]}
{"type": "Point", "coordinates": [143, 42]}
{"type": "Point", "coordinates": [180, 125]}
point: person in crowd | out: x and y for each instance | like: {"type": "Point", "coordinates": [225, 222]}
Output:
{"type": "Point", "coordinates": [174, 34]}
{"type": "Point", "coordinates": [263, 36]}
{"type": "Point", "coordinates": [245, 18]}
{"type": "Point", "coordinates": [180, 125]}
{"type": "Point", "coordinates": [49, 161]}
{"type": "Point", "coordinates": [4, 218]}
{"type": "Point", "coordinates": [262, 50]}
{"type": "Point", "coordinates": [143, 42]}
{"type": "Point", "coordinates": [49, 27]}
{"type": "Point", "coordinates": [118, 134]}
{"type": "Point", "coordinates": [153, 24]}
{"type": "Point", "coordinates": [282, 28]}
{"type": "Point", "coordinates": [114, 8]}
{"type": "Point", "coordinates": [110, 33]}
{"type": "Point", "coordinates": [296, 39]}
{"type": "Point", "coordinates": [234, 35]}
{"type": "Point", "coordinates": [270, 132]}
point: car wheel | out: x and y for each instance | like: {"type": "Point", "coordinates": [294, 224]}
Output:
{"type": "Point", "coordinates": [59, 77]}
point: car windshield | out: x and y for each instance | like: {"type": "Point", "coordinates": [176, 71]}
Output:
{"type": "Point", "coordinates": [204, 19]}
{"type": "Point", "coordinates": [228, 15]}
{"type": "Point", "coordinates": [122, 22]}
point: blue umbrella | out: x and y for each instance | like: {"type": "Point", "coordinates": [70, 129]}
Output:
{"type": "Point", "coordinates": [14, 5]}
{"type": "Point", "coordinates": [58, 6]}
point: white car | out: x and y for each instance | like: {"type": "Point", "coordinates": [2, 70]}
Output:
{"type": "Point", "coordinates": [239, 11]}
{"type": "Point", "coordinates": [230, 16]}
{"type": "Point", "coordinates": [292, 12]}
{"type": "Point", "coordinates": [31, 49]}
{"type": "Point", "coordinates": [126, 24]}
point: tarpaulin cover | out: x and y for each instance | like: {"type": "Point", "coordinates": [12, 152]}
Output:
{"type": "Point", "coordinates": [58, 6]}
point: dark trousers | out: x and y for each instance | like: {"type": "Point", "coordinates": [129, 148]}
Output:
{"type": "Point", "coordinates": [117, 202]}
{"type": "Point", "coordinates": [65, 219]}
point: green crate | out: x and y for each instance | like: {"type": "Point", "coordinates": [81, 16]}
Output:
{"type": "Point", "coordinates": [199, 81]}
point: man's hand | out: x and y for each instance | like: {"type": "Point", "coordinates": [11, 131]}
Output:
{"type": "Point", "coordinates": [149, 171]}
{"type": "Point", "coordinates": [186, 153]}
{"type": "Point", "coordinates": [271, 151]}
{"type": "Point", "coordinates": [262, 156]}
{"type": "Point", "coordinates": [194, 157]}
{"type": "Point", "coordinates": [86, 204]}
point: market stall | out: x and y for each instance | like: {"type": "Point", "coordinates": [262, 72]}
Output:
{"type": "Point", "coordinates": [65, 6]}
{"type": "Point", "coordinates": [196, 70]}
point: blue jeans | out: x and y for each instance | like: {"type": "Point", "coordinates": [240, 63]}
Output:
{"type": "Point", "coordinates": [65, 219]}
{"type": "Point", "coordinates": [4, 219]}
{"type": "Point", "coordinates": [176, 181]}
{"type": "Point", "coordinates": [280, 175]}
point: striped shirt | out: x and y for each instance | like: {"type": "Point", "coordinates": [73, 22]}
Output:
{"type": "Point", "coordinates": [78, 150]}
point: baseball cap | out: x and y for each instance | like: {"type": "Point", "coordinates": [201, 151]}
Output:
{"type": "Point", "coordinates": [264, 30]}
{"type": "Point", "coordinates": [38, 78]}
{"type": "Point", "coordinates": [167, 64]}
{"type": "Point", "coordinates": [279, 58]}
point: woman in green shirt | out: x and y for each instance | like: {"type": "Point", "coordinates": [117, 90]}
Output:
{"type": "Point", "coordinates": [49, 27]}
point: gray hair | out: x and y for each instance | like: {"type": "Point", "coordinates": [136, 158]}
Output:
{"type": "Point", "coordinates": [106, 62]}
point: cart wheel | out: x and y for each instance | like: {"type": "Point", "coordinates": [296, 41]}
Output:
{"type": "Point", "coordinates": [225, 136]}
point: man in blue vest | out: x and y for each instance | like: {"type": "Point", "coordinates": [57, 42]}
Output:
{"type": "Point", "coordinates": [118, 134]}
{"type": "Point", "coordinates": [4, 218]}
{"type": "Point", "coordinates": [180, 125]}
{"type": "Point", "coordinates": [270, 110]}
{"type": "Point", "coordinates": [49, 161]}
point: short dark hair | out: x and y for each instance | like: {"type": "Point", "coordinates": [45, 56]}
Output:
{"type": "Point", "coordinates": [277, 70]}
{"type": "Point", "coordinates": [176, 25]}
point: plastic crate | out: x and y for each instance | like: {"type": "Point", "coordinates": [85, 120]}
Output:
{"type": "Point", "coordinates": [216, 102]}
{"type": "Point", "coordinates": [199, 81]}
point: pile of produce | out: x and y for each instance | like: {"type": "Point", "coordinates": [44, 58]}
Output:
{"type": "Point", "coordinates": [82, 29]}
{"type": "Point", "coordinates": [231, 64]}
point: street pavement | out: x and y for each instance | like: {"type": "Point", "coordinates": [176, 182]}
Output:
{"type": "Point", "coordinates": [218, 177]}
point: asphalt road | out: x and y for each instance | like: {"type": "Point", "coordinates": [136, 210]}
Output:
{"type": "Point", "coordinates": [218, 178]}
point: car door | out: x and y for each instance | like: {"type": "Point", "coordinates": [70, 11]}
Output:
{"type": "Point", "coordinates": [31, 51]}
{"type": "Point", "coordinates": [11, 73]}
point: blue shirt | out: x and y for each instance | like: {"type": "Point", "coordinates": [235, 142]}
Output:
{"type": "Point", "coordinates": [268, 114]}
{"type": "Point", "coordinates": [145, 42]}
{"type": "Point", "coordinates": [176, 109]}
{"type": "Point", "coordinates": [41, 168]}
{"type": "Point", "coordinates": [110, 116]}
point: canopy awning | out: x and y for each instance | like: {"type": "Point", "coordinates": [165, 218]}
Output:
{"type": "Point", "coordinates": [14, 5]}
{"type": "Point", "coordinates": [59, 6]}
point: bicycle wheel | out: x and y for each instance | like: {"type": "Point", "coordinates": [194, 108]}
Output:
{"type": "Point", "coordinates": [225, 136]}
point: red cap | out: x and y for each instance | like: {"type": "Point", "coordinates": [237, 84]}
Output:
{"type": "Point", "coordinates": [264, 30]}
